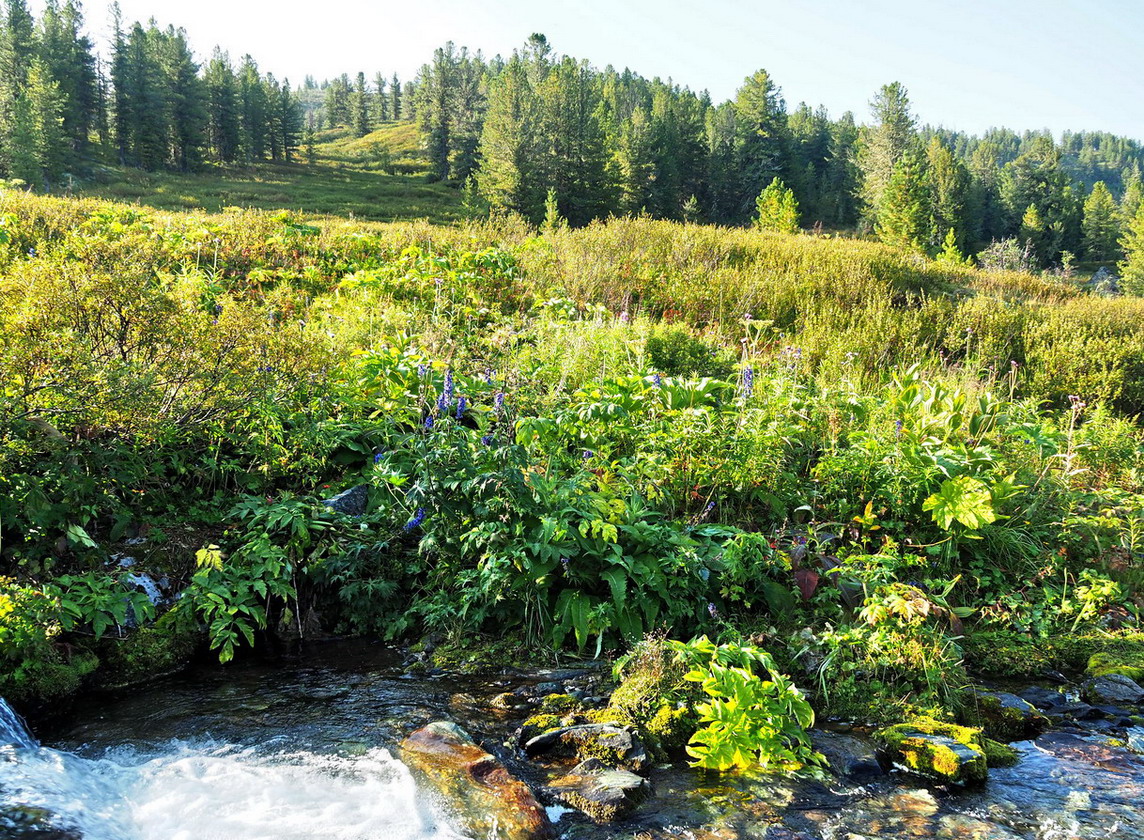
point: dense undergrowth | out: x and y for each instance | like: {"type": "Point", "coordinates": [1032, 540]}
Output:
{"type": "Point", "coordinates": [858, 459]}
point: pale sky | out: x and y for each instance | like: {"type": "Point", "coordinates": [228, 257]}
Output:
{"type": "Point", "coordinates": [969, 65]}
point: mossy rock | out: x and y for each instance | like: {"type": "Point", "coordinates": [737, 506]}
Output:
{"type": "Point", "coordinates": [998, 754]}
{"type": "Point", "coordinates": [1004, 717]}
{"type": "Point", "coordinates": [942, 751]}
{"type": "Point", "coordinates": [670, 728]}
{"type": "Point", "coordinates": [1129, 665]}
{"type": "Point", "coordinates": [539, 724]}
{"type": "Point", "coordinates": [43, 683]}
{"type": "Point", "coordinates": [560, 704]}
{"type": "Point", "coordinates": [147, 654]}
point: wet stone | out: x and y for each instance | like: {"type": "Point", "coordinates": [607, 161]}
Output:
{"type": "Point", "coordinates": [1112, 690]}
{"type": "Point", "coordinates": [487, 798]}
{"type": "Point", "coordinates": [847, 755]}
{"type": "Point", "coordinates": [616, 745]}
{"type": "Point", "coordinates": [1090, 750]}
{"type": "Point", "coordinates": [602, 794]}
{"type": "Point", "coordinates": [1007, 717]}
{"type": "Point", "coordinates": [1045, 699]}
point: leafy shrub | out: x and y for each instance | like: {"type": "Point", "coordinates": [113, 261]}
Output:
{"type": "Point", "coordinates": [750, 719]}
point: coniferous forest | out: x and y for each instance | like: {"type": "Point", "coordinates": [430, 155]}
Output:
{"type": "Point", "coordinates": [508, 132]}
{"type": "Point", "coordinates": [537, 408]}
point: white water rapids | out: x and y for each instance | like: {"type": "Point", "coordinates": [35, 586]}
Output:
{"type": "Point", "coordinates": [210, 791]}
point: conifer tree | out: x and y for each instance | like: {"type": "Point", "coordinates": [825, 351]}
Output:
{"type": "Point", "coordinates": [761, 136]}
{"type": "Point", "coordinates": [359, 107]}
{"type": "Point", "coordinates": [395, 98]}
{"type": "Point", "coordinates": [948, 192]}
{"type": "Point", "coordinates": [222, 108]}
{"type": "Point", "coordinates": [903, 216]}
{"type": "Point", "coordinates": [1133, 195]}
{"type": "Point", "coordinates": [510, 145]}
{"type": "Point", "coordinates": [884, 145]}
{"type": "Point", "coordinates": [380, 100]}
{"type": "Point", "coordinates": [1132, 268]}
{"type": "Point", "coordinates": [776, 208]}
{"type": "Point", "coordinates": [252, 114]}
{"type": "Point", "coordinates": [1101, 225]}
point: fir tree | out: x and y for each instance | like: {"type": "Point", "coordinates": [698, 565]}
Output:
{"type": "Point", "coordinates": [776, 208]}
{"type": "Point", "coordinates": [1101, 225]}
{"type": "Point", "coordinates": [884, 145]}
{"type": "Point", "coordinates": [510, 145]}
{"type": "Point", "coordinates": [903, 214]}
{"type": "Point", "coordinates": [1132, 268]}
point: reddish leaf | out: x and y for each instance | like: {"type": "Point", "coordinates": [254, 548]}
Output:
{"type": "Point", "coordinates": [807, 580]}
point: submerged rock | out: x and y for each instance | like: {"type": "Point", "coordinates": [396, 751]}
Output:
{"type": "Point", "coordinates": [847, 755]}
{"type": "Point", "coordinates": [1112, 690]}
{"type": "Point", "coordinates": [600, 792]}
{"type": "Point", "coordinates": [1092, 750]}
{"type": "Point", "coordinates": [940, 751]}
{"type": "Point", "coordinates": [490, 801]}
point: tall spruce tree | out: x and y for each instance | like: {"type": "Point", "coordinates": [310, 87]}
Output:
{"type": "Point", "coordinates": [884, 145]}
{"type": "Point", "coordinates": [511, 145]}
{"type": "Point", "coordinates": [1101, 225]}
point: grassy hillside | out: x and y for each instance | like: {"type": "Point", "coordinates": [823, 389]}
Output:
{"type": "Point", "coordinates": [350, 177]}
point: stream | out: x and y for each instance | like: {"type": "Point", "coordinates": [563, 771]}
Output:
{"type": "Point", "coordinates": [308, 749]}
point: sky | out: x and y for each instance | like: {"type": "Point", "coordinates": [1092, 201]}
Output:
{"type": "Point", "coordinates": [970, 65]}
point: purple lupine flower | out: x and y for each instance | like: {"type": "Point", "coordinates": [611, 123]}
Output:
{"type": "Point", "coordinates": [498, 403]}
{"type": "Point", "coordinates": [461, 403]}
{"type": "Point", "coordinates": [377, 457]}
{"type": "Point", "coordinates": [898, 428]}
{"type": "Point", "coordinates": [624, 317]}
{"type": "Point", "coordinates": [588, 454]}
{"type": "Point", "coordinates": [489, 374]}
{"type": "Point", "coordinates": [417, 519]}
{"type": "Point", "coordinates": [564, 562]}
{"type": "Point", "coordinates": [428, 422]}
{"type": "Point", "coordinates": [487, 440]}
{"type": "Point", "coordinates": [712, 610]}
{"type": "Point", "coordinates": [657, 380]}
{"type": "Point", "coordinates": [450, 388]}
{"type": "Point", "coordinates": [710, 507]}
{"type": "Point", "coordinates": [422, 371]}
{"type": "Point", "coordinates": [748, 382]}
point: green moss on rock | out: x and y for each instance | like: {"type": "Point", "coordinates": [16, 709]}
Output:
{"type": "Point", "coordinates": [998, 754]}
{"type": "Point", "coordinates": [942, 751]}
{"type": "Point", "coordinates": [147, 654]}
{"type": "Point", "coordinates": [1129, 664]}
{"type": "Point", "coordinates": [1002, 716]}
{"type": "Point", "coordinates": [40, 682]}
{"type": "Point", "coordinates": [560, 704]}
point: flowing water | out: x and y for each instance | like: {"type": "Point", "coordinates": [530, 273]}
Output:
{"type": "Point", "coordinates": [307, 750]}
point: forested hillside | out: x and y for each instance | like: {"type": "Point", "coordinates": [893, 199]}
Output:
{"type": "Point", "coordinates": [538, 133]}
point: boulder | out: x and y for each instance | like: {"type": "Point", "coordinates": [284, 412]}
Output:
{"type": "Point", "coordinates": [352, 502]}
{"type": "Point", "coordinates": [488, 799]}
{"type": "Point", "coordinates": [1045, 699]}
{"type": "Point", "coordinates": [600, 792]}
{"type": "Point", "coordinates": [1006, 717]}
{"type": "Point", "coordinates": [847, 755]}
{"type": "Point", "coordinates": [617, 745]}
{"type": "Point", "coordinates": [1112, 690]}
{"type": "Point", "coordinates": [940, 751]}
